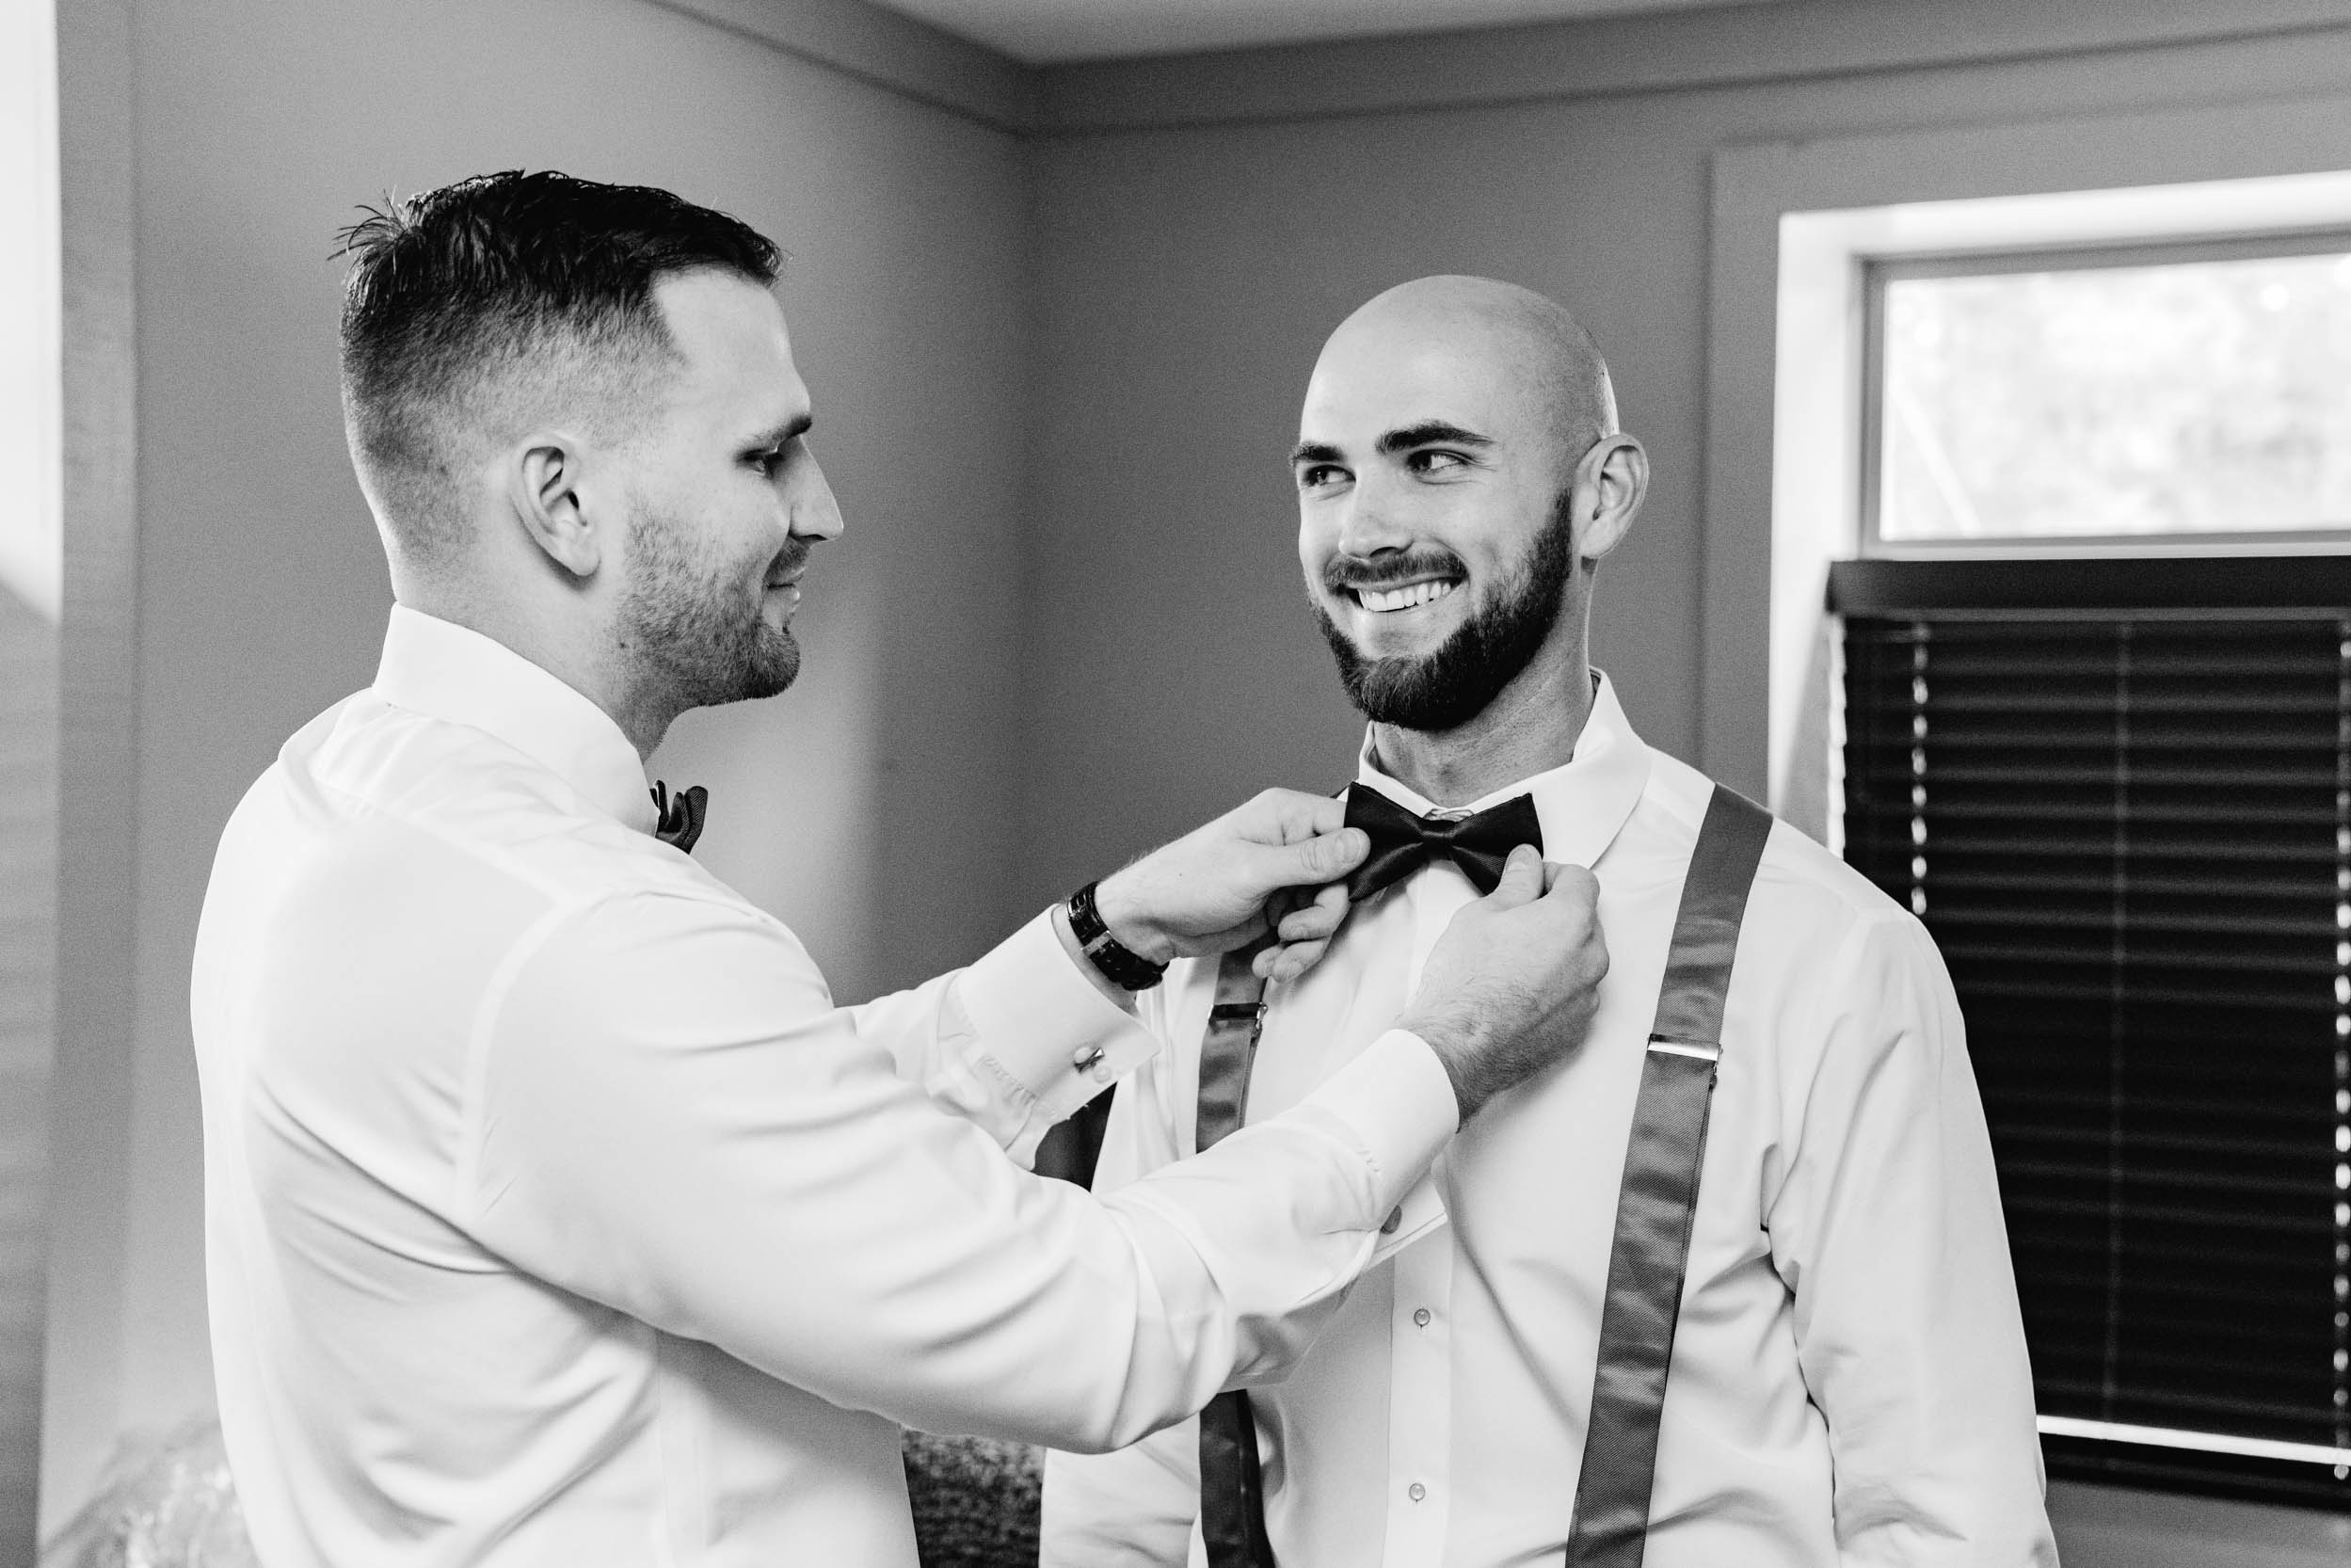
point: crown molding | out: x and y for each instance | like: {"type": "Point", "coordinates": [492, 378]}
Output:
{"type": "Point", "coordinates": [885, 49]}
{"type": "Point", "coordinates": [1653, 52]}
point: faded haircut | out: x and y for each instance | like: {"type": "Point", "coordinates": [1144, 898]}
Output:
{"type": "Point", "coordinates": [501, 298]}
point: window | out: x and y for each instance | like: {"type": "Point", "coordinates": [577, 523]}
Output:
{"type": "Point", "coordinates": [2097, 734]}
{"type": "Point", "coordinates": [2186, 392]}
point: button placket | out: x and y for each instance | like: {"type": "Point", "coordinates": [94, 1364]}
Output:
{"type": "Point", "coordinates": [1420, 1403]}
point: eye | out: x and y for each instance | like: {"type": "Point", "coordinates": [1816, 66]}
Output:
{"type": "Point", "coordinates": [769, 461]}
{"type": "Point", "coordinates": [1433, 462]}
{"type": "Point", "coordinates": [1313, 476]}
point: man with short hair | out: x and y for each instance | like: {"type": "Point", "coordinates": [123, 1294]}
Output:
{"type": "Point", "coordinates": [554, 1213]}
{"type": "Point", "coordinates": [1821, 1363]}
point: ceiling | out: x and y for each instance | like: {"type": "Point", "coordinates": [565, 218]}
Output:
{"type": "Point", "coordinates": [1042, 32]}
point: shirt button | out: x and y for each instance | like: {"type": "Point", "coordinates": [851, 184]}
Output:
{"type": "Point", "coordinates": [1416, 1492]}
{"type": "Point", "coordinates": [1396, 1217]}
{"type": "Point", "coordinates": [1421, 1317]}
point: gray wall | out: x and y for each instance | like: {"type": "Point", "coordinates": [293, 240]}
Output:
{"type": "Point", "coordinates": [28, 885]}
{"type": "Point", "coordinates": [259, 124]}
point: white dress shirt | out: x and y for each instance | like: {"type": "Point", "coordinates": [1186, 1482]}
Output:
{"type": "Point", "coordinates": [1849, 1381]}
{"type": "Point", "coordinates": [555, 1215]}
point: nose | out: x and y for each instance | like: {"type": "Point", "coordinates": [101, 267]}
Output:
{"type": "Point", "coordinates": [815, 514]}
{"type": "Point", "coordinates": [1367, 523]}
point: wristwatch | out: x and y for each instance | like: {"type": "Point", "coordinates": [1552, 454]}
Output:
{"type": "Point", "coordinates": [1117, 962]}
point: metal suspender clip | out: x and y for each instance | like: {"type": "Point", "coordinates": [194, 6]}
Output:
{"type": "Point", "coordinates": [1706, 1050]}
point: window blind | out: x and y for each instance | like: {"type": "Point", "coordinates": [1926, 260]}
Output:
{"type": "Point", "coordinates": [2118, 794]}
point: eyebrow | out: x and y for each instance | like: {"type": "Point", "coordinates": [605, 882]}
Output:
{"type": "Point", "coordinates": [779, 435]}
{"type": "Point", "coordinates": [1427, 433]}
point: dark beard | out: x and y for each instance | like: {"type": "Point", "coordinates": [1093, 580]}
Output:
{"type": "Point", "coordinates": [703, 634]}
{"type": "Point", "coordinates": [1485, 653]}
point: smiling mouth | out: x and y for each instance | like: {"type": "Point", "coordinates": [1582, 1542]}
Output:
{"type": "Point", "coordinates": [1384, 602]}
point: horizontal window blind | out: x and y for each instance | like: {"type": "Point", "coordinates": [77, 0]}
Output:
{"type": "Point", "coordinates": [2128, 827]}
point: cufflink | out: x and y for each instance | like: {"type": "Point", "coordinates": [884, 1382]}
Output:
{"type": "Point", "coordinates": [1090, 1059]}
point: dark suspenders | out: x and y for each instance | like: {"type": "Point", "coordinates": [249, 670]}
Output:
{"type": "Point", "coordinates": [1646, 1262]}
{"type": "Point", "coordinates": [1232, 1489]}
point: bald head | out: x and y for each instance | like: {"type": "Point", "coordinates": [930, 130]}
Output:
{"type": "Point", "coordinates": [1507, 336]}
{"type": "Point", "coordinates": [1460, 472]}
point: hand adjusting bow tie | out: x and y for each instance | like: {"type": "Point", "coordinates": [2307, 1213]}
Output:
{"type": "Point", "coordinates": [681, 815]}
{"type": "Point", "coordinates": [1401, 842]}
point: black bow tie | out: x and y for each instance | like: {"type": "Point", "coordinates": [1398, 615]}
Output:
{"type": "Point", "coordinates": [1401, 843]}
{"type": "Point", "coordinates": [680, 815]}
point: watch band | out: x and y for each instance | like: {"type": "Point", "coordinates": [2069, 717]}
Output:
{"type": "Point", "coordinates": [1117, 962]}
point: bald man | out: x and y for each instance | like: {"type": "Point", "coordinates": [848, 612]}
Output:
{"type": "Point", "coordinates": [1847, 1381]}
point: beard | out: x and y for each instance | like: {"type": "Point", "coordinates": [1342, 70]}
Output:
{"type": "Point", "coordinates": [700, 629]}
{"type": "Point", "coordinates": [1460, 679]}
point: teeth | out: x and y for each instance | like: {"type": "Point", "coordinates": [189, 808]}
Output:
{"type": "Point", "coordinates": [1386, 600]}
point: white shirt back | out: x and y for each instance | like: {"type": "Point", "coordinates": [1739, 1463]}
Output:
{"type": "Point", "coordinates": [556, 1216]}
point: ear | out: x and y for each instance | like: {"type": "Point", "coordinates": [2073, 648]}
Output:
{"type": "Point", "coordinates": [545, 490]}
{"type": "Point", "coordinates": [1615, 475]}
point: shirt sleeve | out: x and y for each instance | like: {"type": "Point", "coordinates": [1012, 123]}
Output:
{"type": "Point", "coordinates": [1887, 1228]}
{"type": "Point", "coordinates": [665, 1113]}
{"type": "Point", "coordinates": [1013, 1044]}
{"type": "Point", "coordinates": [1133, 1507]}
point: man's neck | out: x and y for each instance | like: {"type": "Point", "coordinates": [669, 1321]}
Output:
{"type": "Point", "coordinates": [1530, 728]}
{"type": "Point", "coordinates": [573, 661]}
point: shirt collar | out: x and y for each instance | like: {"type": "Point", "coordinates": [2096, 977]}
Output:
{"type": "Point", "coordinates": [1582, 805]}
{"type": "Point", "coordinates": [446, 671]}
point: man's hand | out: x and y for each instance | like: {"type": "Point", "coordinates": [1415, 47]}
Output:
{"type": "Point", "coordinates": [1273, 862]}
{"type": "Point", "coordinates": [1512, 984]}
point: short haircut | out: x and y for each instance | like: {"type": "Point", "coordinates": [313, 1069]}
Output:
{"type": "Point", "coordinates": [487, 301]}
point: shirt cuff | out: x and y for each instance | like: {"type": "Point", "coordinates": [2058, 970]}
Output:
{"type": "Point", "coordinates": [1047, 1029]}
{"type": "Point", "coordinates": [1398, 1100]}
{"type": "Point", "coordinates": [1421, 1212]}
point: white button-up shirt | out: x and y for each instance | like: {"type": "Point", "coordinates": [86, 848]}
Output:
{"type": "Point", "coordinates": [555, 1215]}
{"type": "Point", "coordinates": [1849, 1381]}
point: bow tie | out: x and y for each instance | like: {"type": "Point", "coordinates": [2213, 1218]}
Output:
{"type": "Point", "coordinates": [681, 815]}
{"type": "Point", "coordinates": [1401, 842]}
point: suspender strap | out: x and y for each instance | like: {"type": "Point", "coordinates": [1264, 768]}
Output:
{"type": "Point", "coordinates": [1235, 1020]}
{"type": "Point", "coordinates": [1651, 1253]}
{"type": "Point", "coordinates": [1232, 1487]}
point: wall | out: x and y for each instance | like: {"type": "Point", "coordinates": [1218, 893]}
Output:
{"type": "Point", "coordinates": [28, 871]}
{"type": "Point", "coordinates": [1203, 223]}
{"type": "Point", "coordinates": [259, 124]}
{"type": "Point", "coordinates": [31, 592]}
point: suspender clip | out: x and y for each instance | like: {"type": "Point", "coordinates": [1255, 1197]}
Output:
{"type": "Point", "coordinates": [1706, 1050]}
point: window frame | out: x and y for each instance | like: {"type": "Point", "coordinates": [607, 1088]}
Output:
{"type": "Point", "coordinates": [1876, 272]}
